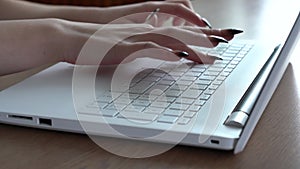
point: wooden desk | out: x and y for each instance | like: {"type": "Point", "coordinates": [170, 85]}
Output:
{"type": "Point", "coordinates": [275, 142]}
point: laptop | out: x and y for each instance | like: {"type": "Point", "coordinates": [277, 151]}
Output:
{"type": "Point", "coordinates": [214, 106]}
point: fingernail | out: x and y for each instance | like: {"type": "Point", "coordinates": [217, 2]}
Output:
{"type": "Point", "coordinates": [206, 22]}
{"type": "Point", "coordinates": [215, 57]}
{"type": "Point", "coordinates": [181, 54]}
{"type": "Point", "coordinates": [235, 31]}
{"type": "Point", "coordinates": [217, 39]}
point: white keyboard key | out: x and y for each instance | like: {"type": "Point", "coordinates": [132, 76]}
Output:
{"type": "Point", "coordinates": [213, 87]}
{"type": "Point", "coordinates": [183, 121]}
{"type": "Point", "coordinates": [154, 110]}
{"type": "Point", "coordinates": [199, 102]}
{"type": "Point", "coordinates": [141, 87]}
{"type": "Point", "coordinates": [184, 101]}
{"type": "Point", "coordinates": [109, 113]}
{"type": "Point", "coordinates": [203, 82]}
{"type": "Point", "coordinates": [122, 101]}
{"type": "Point", "coordinates": [184, 82]}
{"type": "Point", "coordinates": [176, 106]}
{"type": "Point", "coordinates": [104, 99]}
{"type": "Point", "coordinates": [166, 82]}
{"type": "Point", "coordinates": [176, 113]}
{"type": "Point", "coordinates": [189, 114]}
{"type": "Point", "coordinates": [168, 99]}
{"type": "Point", "coordinates": [191, 94]}
{"type": "Point", "coordinates": [138, 116]}
{"type": "Point", "coordinates": [141, 103]}
{"type": "Point", "coordinates": [173, 93]}
{"type": "Point", "coordinates": [160, 104]}
{"type": "Point", "coordinates": [204, 97]}
{"type": "Point", "coordinates": [159, 88]}
{"type": "Point", "coordinates": [194, 108]}
{"type": "Point", "coordinates": [134, 108]}
{"type": "Point", "coordinates": [167, 119]}
{"type": "Point", "coordinates": [207, 77]}
{"type": "Point", "coordinates": [188, 78]}
{"type": "Point", "coordinates": [198, 86]}
{"type": "Point", "coordinates": [152, 79]}
{"type": "Point", "coordinates": [209, 91]}
{"type": "Point", "coordinates": [115, 107]}
{"type": "Point", "coordinates": [210, 74]}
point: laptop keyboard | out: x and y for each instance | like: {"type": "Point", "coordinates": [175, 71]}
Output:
{"type": "Point", "coordinates": [171, 94]}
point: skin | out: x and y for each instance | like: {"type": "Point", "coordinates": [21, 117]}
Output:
{"type": "Point", "coordinates": [34, 34]}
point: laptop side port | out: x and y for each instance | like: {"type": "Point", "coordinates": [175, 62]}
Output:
{"type": "Point", "coordinates": [20, 117]}
{"type": "Point", "coordinates": [214, 141]}
{"type": "Point", "coordinates": [45, 122]}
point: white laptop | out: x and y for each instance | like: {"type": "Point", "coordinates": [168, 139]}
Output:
{"type": "Point", "coordinates": [215, 106]}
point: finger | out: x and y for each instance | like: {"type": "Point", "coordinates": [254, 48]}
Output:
{"type": "Point", "coordinates": [178, 21]}
{"type": "Point", "coordinates": [125, 52]}
{"type": "Point", "coordinates": [181, 11]}
{"type": "Point", "coordinates": [227, 34]}
{"type": "Point", "coordinates": [194, 55]}
{"type": "Point", "coordinates": [163, 35]}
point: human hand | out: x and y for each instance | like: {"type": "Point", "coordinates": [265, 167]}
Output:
{"type": "Point", "coordinates": [179, 11]}
{"type": "Point", "coordinates": [119, 41]}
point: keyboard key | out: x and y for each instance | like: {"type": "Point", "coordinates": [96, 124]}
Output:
{"type": "Point", "coordinates": [209, 91]}
{"type": "Point", "coordinates": [138, 116]}
{"type": "Point", "coordinates": [194, 108]}
{"type": "Point", "coordinates": [183, 121]}
{"type": "Point", "coordinates": [157, 90]}
{"type": "Point", "coordinates": [188, 78]}
{"type": "Point", "coordinates": [207, 77]}
{"type": "Point", "coordinates": [141, 103]}
{"type": "Point", "coordinates": [204, 97]}
{"type": "Point", "coordinates": [203, 82]}
{"type": "Point", "coordinates": [191, 94]}
{"type": "Point", "coordinates": [189, 114]}
{"type": "Point", "coordinates": [154, 110]}
{"type": "Point", "coordinates": [109, 113]}
{"type": "Point", "coordinates": [199, 102]}
{"type": "Point", "coordinates": [152, 79]}
{"type": "Point", "coordinates": [198, 86]}
{"type": "Point", "coordinates": [167, 119]}
{"type": "Point", "coordinates": [141, 87]}
{"type": "Point", "coordinates": [171, 112]}
{"type": "Point", "coordinates": [118, 107]}
{"type": "Point", "coordinates": [166, 82]}
{"type": "Point", "coordinates": [211, 74]}
{"type": "Point", "coordinates": [173, 93]}
{"type": "Point", "coordinates": [184, 82]}
{"type": "Point", "coordinates": [184, 101]}
{"type": "Point", "coordinates": [160, 104]}
{"type": "Point", "coordinates": [176, 106]}
{"type": "Point", "coordinates": [168, 99]}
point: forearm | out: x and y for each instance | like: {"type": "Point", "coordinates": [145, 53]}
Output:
{"type": "Point", "coordinates": [19, 9]}
{"type": "Point", "coordinates": [28, 44]}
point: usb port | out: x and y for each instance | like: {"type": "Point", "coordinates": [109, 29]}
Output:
{"type": "Point", "coordinates": [215, 141]}
{"type": "Point", "coordinates": [45, 122]}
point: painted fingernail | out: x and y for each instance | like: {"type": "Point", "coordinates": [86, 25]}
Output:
{"type": "Point", "coordinates": [206, 22]}
{"type": "Point", "coordinates": [217, 39]}
{"type": "Point", "coordinates": [215, 57]}
{"type": "Point", "coordinates": [235, 31]}
{"type": "Point", "coordinates": [181, 54]}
